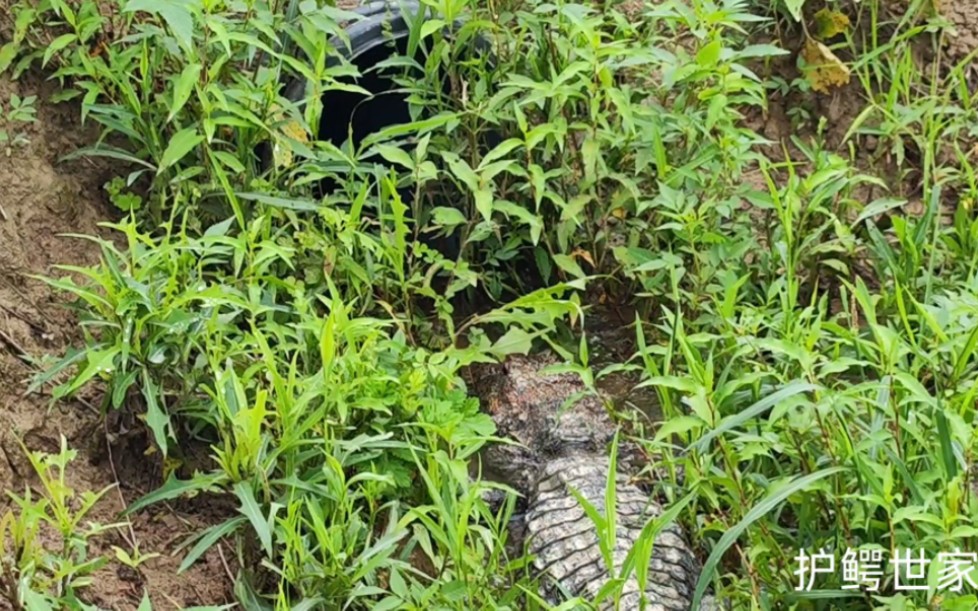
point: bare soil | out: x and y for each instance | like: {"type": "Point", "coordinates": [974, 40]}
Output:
{"type": "Point", "coordinates": [40, 200]}
{"type": "Point", "coordinates": [962, 38]}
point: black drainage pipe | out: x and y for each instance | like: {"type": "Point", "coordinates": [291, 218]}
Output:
{"type": "Point", "coordinates": [381, 32]}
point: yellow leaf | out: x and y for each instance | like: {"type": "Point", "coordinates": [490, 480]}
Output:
{"type": "Point", "coordinates": [170, 465]}
{"type": "Point", "coordinates": [282, 154]}
{"type": "Point", "coordinates": [294, 130]}
{"type": "Point", "coordinates": [830, 23]}
{"type": "Point", "coordinates": [822, 68]}
{"type": "Point", "coordinates": [583, 254]}
{"type": "Point", "coordinates": [282, 151]}
{"type": "Point", "coordinates": [289, 130]}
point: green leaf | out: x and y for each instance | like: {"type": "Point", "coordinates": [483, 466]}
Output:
{"type": "Point", "coordinates": [106, 151]}
{"type": "Point", "coordinates": [207, 540]}
{"type": "Point", "coordinates": [56, 45]}
{"type": "Point", "coordinates": [908, 478]}
{"type": "Point", "coordinates": [175, 488]}
{"type": "Point", "coordinates": [72, 356]}
{"type": "Point", "coordinates": [145, 604]}
{"type": "Point", "coordinates": [640, 555]}
{"type": "Point", "coordinates": [303, 205]}
{"type": "Point", "coordinates": [682, 384]}
{"type": "Point", "coordinates": [448, 217]}
{"type": "Point", "coordinates": [736, 420]}
{"type": "Point", "coordinates": [100, 361]}
{"type": "Point", "coordinates": [677, 425]}
{"type": "Point", "coordinates": [230, 161]}
{"type": "Point", "coordinates": [878, 207]}
{"type": "Point", "coordinates": [522, 214]}
{"type": "Point", "coordinates": [219, 229]}
{"type": "Point", "coordinates": [157, 419]}
{"type": "Point", "coordinates": [183, 86]}
{"type": "Point", "coordinates": [915, 514]}
{"type": "Point", "coordinates": [462, 170]}
{"type": "Point", "coordinates": [308, 604]}
{"type": "Point", "coordinates": [794, 7]}
{"type": "Point", "coordinates": [515, 341]}
{"type": "Point", "coordinates": [589, 153]}
{"type": "Point", "coordinates": [176, 13]}
{"type": "Point", "coordinates": [569, 265]}
{"type": "Point", "coordinates": [966, 355]}
{"type": "Point", "coordinates": [763, 508]}
{"type": "Point", "coordinates": [394, 154]}
{"type": "Point", "coordinates": [431, 26]}
{"type": "Point", "coordinates": [180, 145]}
{"type": "Point", "coordinates": [709, 55]}
{"type": "Point", "coordinates": [483, 203]}
{"type": "Point", "coordinates": [252, 510]}
{"type": "Point", "coordinates": [35, 601]}
{"type": "Point", "coordinates": [502, 149]}
{"type": "Point", "coordinates": [947, 445]}
{"type": "Point", "coordinates": [761, 50]}
{"type": "Point", "coordinates": [8, 53]}
{"type": "Point", "coordinates": [718, 105]}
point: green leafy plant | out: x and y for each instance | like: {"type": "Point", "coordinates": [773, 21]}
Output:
{"type": "Point", "coordinates": [20, 110]}
{"type": "Point", "coordinates": [120, 198]}
{"type": "Point", "coordinates": [36, 575]}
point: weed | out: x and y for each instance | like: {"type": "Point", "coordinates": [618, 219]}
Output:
{"type": "Point", "coordinates": [34, 576]}
{"type": "Point", "coordinates": [120, 198]}
{"type": "Point", "coordinates": [20, 110]}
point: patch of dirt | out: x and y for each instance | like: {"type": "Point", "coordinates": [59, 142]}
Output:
{"type": "Point", "coordinates": [41, 198]}
{"type": "Point", "coordinates": [962, 38]}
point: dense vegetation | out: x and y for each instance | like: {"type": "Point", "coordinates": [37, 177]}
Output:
{"type": "Point", "coordinates": [810, 335]}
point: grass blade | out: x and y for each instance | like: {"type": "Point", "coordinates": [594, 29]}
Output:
{"type": "Point", "coordinates": [252, 510]}
{"type": "Point", "coordinates": [207, 540]}
{"type": "Point", "coordinates": [754, 410]}
{"type": "Point", "coordinates": [761, 509]}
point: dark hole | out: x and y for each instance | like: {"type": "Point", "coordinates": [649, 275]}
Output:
{"type": "Point", "coordinates": [344, 111]}
{"type": "Point", "coordinates": [354, 116]}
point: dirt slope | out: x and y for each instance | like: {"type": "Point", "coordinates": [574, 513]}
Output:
{"type": "Point", "coordinates": [41, 198]}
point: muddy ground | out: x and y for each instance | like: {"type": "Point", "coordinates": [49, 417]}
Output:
{"type": "Point", "coordinates": [40, 199]}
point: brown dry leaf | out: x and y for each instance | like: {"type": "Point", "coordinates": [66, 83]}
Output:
{"type": "Point", "coordinates": [830, 23]}
{"type": "Point", "coordinates": [583, 254]}
{"type": "Point", "coordinates": [822, 68]}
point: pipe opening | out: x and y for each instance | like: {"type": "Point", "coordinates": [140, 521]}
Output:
{"type": "Point", "coordinates": [348, 114]}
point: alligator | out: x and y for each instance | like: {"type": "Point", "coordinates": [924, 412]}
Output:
{"type": "Point", "coordinates": [561, 437]}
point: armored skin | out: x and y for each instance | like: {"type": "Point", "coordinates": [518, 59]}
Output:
{"type": "Point", "coordinates": [562, 437]}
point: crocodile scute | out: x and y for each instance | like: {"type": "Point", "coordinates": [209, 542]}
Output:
{"type": "Point", "coordinates": [564, 542]}
{"type": "Point", "coordinates": [562, 436]}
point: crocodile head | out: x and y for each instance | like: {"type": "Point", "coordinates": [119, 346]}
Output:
{"type": "Point", "coordinates": [547, 416]}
